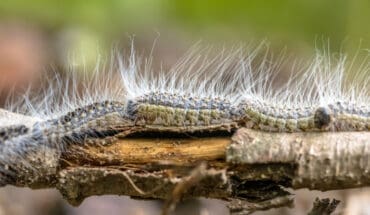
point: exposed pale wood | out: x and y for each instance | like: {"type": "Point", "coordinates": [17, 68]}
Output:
{"type": "Point", "coordinates": [182, 151]}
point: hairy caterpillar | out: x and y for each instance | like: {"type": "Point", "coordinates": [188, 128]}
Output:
{"type": "Point", "coordinates": [199, 94]}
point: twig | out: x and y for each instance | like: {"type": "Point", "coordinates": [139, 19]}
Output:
{"type": "Point", "coordinates": [324, 206]}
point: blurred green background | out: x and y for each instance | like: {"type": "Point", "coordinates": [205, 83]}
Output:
{"type": "Point", "coordinates": [288, 21]}
{"type": "Point", "coordinates": [39, 33]}
{"type": "Point", "coordinates": [296, 24]}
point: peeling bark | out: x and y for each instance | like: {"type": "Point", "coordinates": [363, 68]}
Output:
{"type": "Point", "coordinates": [322, 161]}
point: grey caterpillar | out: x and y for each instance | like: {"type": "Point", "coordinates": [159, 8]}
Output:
{"type": "Point", "coordinates": [198, 94]}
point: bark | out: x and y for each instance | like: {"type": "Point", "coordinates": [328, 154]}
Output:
{"type": "Point", "coordinates": [251, 170]}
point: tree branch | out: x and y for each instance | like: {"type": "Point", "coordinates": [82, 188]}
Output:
{"type": "Point", "coordinates": [250, 170]}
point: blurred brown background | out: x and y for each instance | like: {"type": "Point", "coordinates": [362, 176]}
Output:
{"type": "Point", "coordinates": [40, 36]}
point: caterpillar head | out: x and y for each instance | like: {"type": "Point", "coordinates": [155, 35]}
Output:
{"type": "Point", "coordinates": [322, 117]}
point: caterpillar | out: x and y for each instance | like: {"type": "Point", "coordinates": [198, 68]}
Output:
{"type": "Point", "coordinates": [199, 94]}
